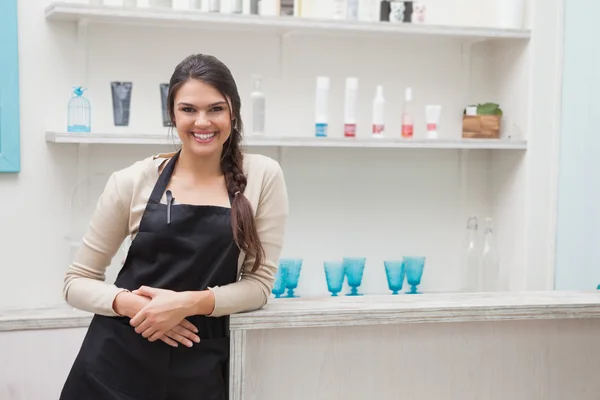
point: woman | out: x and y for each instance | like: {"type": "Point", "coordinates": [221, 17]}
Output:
{"type": "Point", "coordinates": [201, 218]}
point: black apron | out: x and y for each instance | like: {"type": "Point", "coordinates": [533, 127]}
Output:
{"type": "Point", "coordinates": [178, 247]}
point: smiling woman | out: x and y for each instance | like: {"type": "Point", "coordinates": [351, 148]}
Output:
{"type": "Point", "coordinates": [10, 148]}
{"type": "Point", "coordinates": [208, 225]}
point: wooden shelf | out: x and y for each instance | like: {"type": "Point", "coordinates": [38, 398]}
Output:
{"type": "Point", "coordinates": [275, 141]}
{"type": "Point", "coordinates": [164, 17]}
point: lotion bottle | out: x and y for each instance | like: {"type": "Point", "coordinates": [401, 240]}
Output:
{"type": "Point", "coordinates": [407, 117]}
{"type": "Point", "coordinates": [350, 107]}
{"type": "Point", "coordinates": [378, 117]}
{"type": "Point", "coordinates": [321, 102]}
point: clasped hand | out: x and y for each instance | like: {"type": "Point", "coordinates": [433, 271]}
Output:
{"type": "Point", "coordinates": [162, 315]}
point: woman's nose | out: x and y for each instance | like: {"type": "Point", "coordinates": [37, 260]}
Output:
{"type": "Point", "coordinates": [201, 121]}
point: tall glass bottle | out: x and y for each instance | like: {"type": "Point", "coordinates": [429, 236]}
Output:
{"type": "Point", "coordinates": [490, 265]}
{"type": "Point", "coordinates": [258, 107]}
{"type": "Point", "coordinates": [471, 259]}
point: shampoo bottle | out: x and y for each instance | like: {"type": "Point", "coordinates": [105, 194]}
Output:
{"type": "Point", "coordinates": [407, 118]}
{"type": "Point", "coordinates": [321, 118]}
{"type": "Point", "coordinates": [350, 107]}
{"type": "Point", "coordinates": [378, 107]}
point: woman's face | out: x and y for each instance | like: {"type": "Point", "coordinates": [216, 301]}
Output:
{"type": "Point", "coordinates": [202, 118]}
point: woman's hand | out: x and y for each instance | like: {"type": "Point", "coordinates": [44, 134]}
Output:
{"type": "Point", "coordinates": [162, 314]}
{"type": "Point", "coordinates": [130, 304]}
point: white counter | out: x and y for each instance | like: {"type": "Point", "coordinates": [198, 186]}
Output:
{"type": "Point", "coordinates": [517, 346]}
{"type": "Point", "coordinates": [360, 310]}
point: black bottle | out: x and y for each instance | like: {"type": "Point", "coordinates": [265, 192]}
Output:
{"type": "Point", "coordinates": [384, 10]}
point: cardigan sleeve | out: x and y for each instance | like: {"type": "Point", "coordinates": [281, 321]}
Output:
{"type": "Point", "coordinates": [84, 283]}
{"type": "Point", "coordinates": [252, 291]}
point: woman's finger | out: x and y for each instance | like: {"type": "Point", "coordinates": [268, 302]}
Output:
{"type": "Point", "coordinates": [179, 338]}
{"type": "Point", "coordinates": [169, 341]}
{"type": "Point", "coordinates": [189, 326]}
{"type": "Point", "coordinates": [186, 333]}
{"type": "Point", "coordinates": [156, 335]}
{"type": "Point", "coordinates": [149, 332]}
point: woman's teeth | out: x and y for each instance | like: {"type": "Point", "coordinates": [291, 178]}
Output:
{"type": "Point", "coordinates": [203, 136]}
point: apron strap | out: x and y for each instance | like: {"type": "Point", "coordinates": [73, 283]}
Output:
{"type": "Point", "coordinates": [165, 177]}
{"type": "Point", "coordinates": [163, 180]}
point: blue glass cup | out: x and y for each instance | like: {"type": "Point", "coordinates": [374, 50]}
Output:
{"type": "Point", "coordinates": [414, 271]}
{"type": "Point", "coordinates": [394, 271]}
{"type": "Point", "coordinates": [334, 275]}
{"type": "Point", "coordinates": [291, 274]}
{"type": "Point", "coordinates": [279, 287]}
{"type": "Point", "coordinates": [354, 268]}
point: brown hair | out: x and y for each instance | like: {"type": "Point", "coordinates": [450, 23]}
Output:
{"type": "Point", "coordinates": [213, 72]}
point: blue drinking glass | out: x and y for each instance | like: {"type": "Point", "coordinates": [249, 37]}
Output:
{"type": "Point", "coordinates": [291, 273]}
{"type": "Point", "coordinates": [334, 275]}
{"type": "Point", "coordinates": [394, 271]}
{"type": "Point", "coordinates": [414, 271]}
{"type": "Point", "coordinates": [354, 268]}
{"type": "Point", "coordinates": [279, 287]}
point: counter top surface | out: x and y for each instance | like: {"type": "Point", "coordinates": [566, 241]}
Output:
{"type": "Point", "coordinates": [440, 307]}
{"type": "Point", "coordinates": [361, 310]}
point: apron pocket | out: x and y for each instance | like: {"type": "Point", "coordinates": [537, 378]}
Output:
{"type": "Point", "coordinates": [200, 372]}
{"type": "Point", "coordinates": [125, 361]}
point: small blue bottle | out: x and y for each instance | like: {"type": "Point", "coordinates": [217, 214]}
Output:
{"type": "Point", "coordinates": [80, 112]}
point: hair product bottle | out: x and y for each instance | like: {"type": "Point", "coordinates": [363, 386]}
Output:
{"type": "Point", "coordinates": [321, 117]}
{"type": "Point", "coordinates": [378, 117]}
{"type": "Point", "coordinates": [350, 107]}
{"type": "Point", "coordinates": [407, 117]}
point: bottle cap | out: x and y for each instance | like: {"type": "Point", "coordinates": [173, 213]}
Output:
{"type": "Point", "coordinates": [323, 82]}
{"type": "Point", "coordinates": [352, 83]}
{"type": "Point", "coordinates": [408, 94]}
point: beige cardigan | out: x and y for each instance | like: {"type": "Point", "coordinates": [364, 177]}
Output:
{"type": "Point", "coordinates": [118, 214]}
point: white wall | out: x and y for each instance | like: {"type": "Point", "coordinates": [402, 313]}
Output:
{"type": "Point", "coordinates": [577, 250]}
{"type": "Point", "coordinates": [377, 203]}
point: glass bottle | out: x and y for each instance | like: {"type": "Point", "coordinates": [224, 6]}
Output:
{"type": "Point", "coordinates": [471, 258]}
{"type": "Point", "coordinates": [490, 265]}
{"type": "Point", "coordinates": [258, 107]}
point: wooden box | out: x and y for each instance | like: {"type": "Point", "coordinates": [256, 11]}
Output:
{"type": "Point", "coordinates": [481, 126]}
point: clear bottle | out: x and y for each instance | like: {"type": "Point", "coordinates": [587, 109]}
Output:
{"type": "Point", "coordinates": [470, 262]}
{"type": "Point", "coordinates": [490, 265]}
{"type": "Point", "coordinates": [258, 107]}
{"type": "Point", "coordinates": [214, 6]}
{"type": "Point", "coordinates": [339, 9]}
{"type": "Point", "coordinates": [352, 10]}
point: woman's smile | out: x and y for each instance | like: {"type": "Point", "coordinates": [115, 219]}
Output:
{"type": "Point", "coordinates": [203, 137]}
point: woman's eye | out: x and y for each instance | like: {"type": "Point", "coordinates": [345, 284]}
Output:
{"type": "Point", "coordinates": [187, 109]}
{"type": "Point", "coordinates": [217, 109]}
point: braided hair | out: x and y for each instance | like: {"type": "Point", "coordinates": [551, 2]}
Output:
{"type": "Point", "coordinates": [212, 71]}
